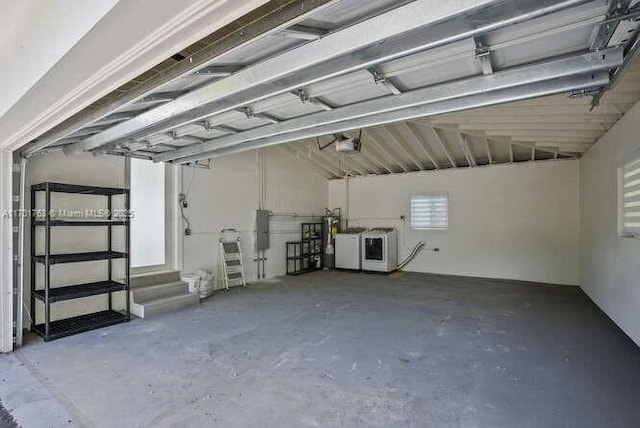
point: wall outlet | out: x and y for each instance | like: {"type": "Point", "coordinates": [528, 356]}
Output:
{"type": "Point", "coordinates": [182, 198]}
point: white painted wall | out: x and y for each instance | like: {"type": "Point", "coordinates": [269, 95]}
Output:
{"type": "Point", "coordinates": [226, 197]}
{"type": "Point", "coordinates": [610, 265]}
{"type": "Point", "coordinates": [511, 221]}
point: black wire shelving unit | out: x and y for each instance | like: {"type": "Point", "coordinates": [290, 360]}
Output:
{"type": "Point", "coordinates": [48, 294]}
{"type": "Point", "coordinates": [306, 255]}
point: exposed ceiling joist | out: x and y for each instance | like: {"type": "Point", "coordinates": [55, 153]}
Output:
{"type": "Point", "coordinates": [354, 163]}
{"type": "Point", "coordinates": [318, 167]}
{"type": "Point", "coordinates": [383, 150]}
{"type": "Point", "coordinates": [435, 136]}
{"type": "Point", "coordinates": [413, 135]}
{"type": "Point", "coordinates": [372, 167]}
{"type": "Point", "coordinates": [461, 142]}
{"type": "Point", "coordinates": [487, 147]}
{"type": "Point", "coordinates": [533, 127]}
{"type": "Point", "coordinates": [477, 119]}
{"type": "Point", "coordinates": [589, 135]}
{"type": "Point", "coordinates": [399, 142]}
{"type": "Point", "coordinates": [376, 156]}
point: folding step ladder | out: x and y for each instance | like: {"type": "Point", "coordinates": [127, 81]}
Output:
{"type": "Point", "coordinates": [231, 258]}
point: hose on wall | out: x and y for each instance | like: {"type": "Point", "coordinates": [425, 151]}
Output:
{"type": "Point", "coordinates": [419, 246]}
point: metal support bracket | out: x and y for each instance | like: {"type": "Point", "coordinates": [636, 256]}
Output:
{"type": "Point", "coordinates": [379, 77]}
{"type": "Point", "coordinates": [219, 70]}
{"type": "Point", "coordinates": [248, 111]}
{"type": "Point", "coordinates": [205, 124]}
{"type": "Point", "coordinates": [617, 10]}
{"type": "Point", "coordinates": [483, 54]}
{"type": "Point", "coordinates": [580, 93]}
{"type": "Point", "coordinates": [302, 94]}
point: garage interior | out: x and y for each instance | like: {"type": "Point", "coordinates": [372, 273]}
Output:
{"type": "Point", "coordinates": [327, 213]}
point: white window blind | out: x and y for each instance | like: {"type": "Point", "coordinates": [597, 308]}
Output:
{"type": "Point", "coordinates": [630, 198]}
{"type": "Point", "coordinates": [430, 212]}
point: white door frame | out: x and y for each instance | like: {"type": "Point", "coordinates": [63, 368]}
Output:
{"type": "Point", "coordinates": [6, 251]}
{"type": "Point", "coordinates": [173, 230]}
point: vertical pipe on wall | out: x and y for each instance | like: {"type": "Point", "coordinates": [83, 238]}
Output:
{"type": "Point", "coordinates": [264, 205]}
{"type": "Point", "coordinates": [346, 214]}
{"type": "Point", "coordinates": [259, 201]}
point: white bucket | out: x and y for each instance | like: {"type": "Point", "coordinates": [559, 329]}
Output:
{"type": "Point", "coordinates": [193, 280]}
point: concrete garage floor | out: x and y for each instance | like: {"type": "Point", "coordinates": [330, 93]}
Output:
{"type": "Point", "coordinates": [343, 349]}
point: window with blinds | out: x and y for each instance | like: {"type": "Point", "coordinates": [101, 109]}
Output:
{"type": "Point", "coordinates": [430, 212]}
{"type": "Point", "coordinates": [630, 198]}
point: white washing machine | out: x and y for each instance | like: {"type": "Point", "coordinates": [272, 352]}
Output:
{"type": "Point", "coordinates": [348, 245]}
{"type": "Point", "coordinates": [380, 250]}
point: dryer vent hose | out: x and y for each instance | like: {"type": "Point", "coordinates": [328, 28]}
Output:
{"type": "Point", "coordinates": [419, 246]}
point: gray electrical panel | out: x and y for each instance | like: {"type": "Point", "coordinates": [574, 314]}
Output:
{"type": "Point", "coordinates": [262, 230]}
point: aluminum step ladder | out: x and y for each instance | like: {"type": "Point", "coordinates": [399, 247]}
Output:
{"type": "Point", "coordinates": [231, 258]}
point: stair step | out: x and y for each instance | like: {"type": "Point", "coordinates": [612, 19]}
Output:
{"type": "Point", "coordinates": [153, 292]}
{"type": "Point", "coordinates": [164, 305]}
{"type": "Point", "coordinates": [154, 278]}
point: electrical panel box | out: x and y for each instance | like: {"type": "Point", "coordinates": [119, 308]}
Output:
{"type": "Point", "coordinates": [262, 230]}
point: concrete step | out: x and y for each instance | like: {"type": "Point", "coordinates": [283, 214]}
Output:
{"type": "Point", "coordinates": [156, 278]}
{"type": "Point", "coordinates": [159, 291]}
{"type": "Point", "coordinates": [164, 305]}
